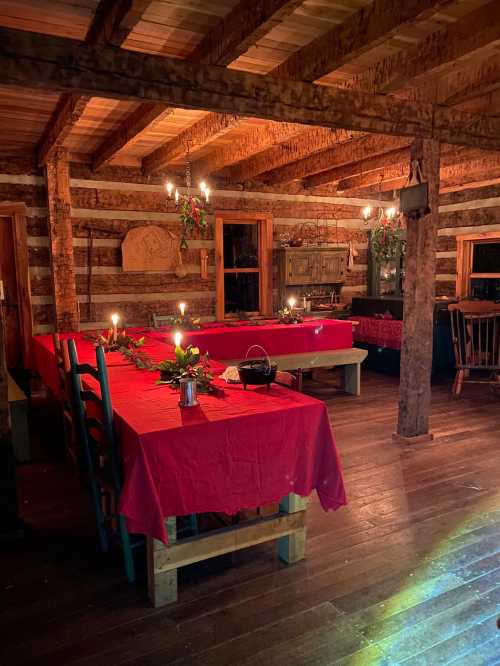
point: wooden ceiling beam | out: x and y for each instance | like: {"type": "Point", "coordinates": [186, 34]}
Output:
{"type": "Point", "coordinates": [63, 65]}
{"type": "Point", "coordinates": [240, 29]}
{"type": "Point", "coordinates": [472, 33]}
{"type": "Point", "coordinates": [343, 154]}
{"type": "Point", "coordinates": [358, 34]}
{"type": "Point", "coordinates": [459, 168]}
{"type": "Point", "coordinates": [114, 20]}
{"type": "Point", "coordinates": [333, 50]}
{"type": "Point", "coordinates": [229, 39]}
{"type": "Point", "coordinates": [257, 139]}
{"type": "Point", "coordinates": [68, 111]}
{"type": "Point", "coordinates": [310, 141]}
{"type": "Point", "coordinates": [364, 166]}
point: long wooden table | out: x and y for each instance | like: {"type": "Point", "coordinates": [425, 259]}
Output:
{"type": "Point", "coordinates": [243, 449]}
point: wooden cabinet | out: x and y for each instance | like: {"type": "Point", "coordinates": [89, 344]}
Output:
{"type": "Point", "coordinates": [309, 267]}
{"type": "Point", "coordinates": [300, 268]}
{"type": "Point", "coordinates": [332, 267]}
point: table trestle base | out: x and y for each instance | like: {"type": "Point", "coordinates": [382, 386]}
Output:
{"type": "Point", "coordinates": [287, 526]}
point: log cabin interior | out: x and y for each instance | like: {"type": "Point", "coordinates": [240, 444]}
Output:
{"type": "Point", "coordinates": [250, 332]}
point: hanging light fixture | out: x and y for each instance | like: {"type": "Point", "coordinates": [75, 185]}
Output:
{"type": "Point", "coordinates": [191, 206]}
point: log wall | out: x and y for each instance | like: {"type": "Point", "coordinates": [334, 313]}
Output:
{"type": "Point", "coordinates": [117, 200]}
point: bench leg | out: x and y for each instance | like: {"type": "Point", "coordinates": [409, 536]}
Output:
{"type": "Point", "coordinates": [352, 378]}
{"type": "Point", "coordinates": [292, 548]}
{"type": "Point", "coordinates": [162, 585]}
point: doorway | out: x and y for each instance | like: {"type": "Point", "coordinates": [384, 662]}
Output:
{"type": "Point", "coordinates": [15, 297]}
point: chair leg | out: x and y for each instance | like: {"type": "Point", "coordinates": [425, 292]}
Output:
{"type": "Point", "coordinates": [128, 558]}
{"type": "Point", "coordinates": [458, 383]}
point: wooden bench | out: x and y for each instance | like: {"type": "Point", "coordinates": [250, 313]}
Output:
{"type": "Point", "coordinates": [349, 359]}
{"type": "Point", "coordinates": [18, 408]}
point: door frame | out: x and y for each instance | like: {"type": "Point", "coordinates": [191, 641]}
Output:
{"type": "Point", "coordinates": [16, 213]}
{"type": "Point", "coordinates": [265, 222]}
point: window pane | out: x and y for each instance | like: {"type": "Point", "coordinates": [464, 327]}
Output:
{"type": "Point", "coordinates": [241, 245]}
{"type": "Point", "coordinates": [241, 292]}
{"type": "Point", "coordinates": [486, 289]}
{"type": "Point", "coordinates": [486, 258]}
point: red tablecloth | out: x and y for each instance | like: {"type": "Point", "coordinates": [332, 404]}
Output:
{"type": "Point", "coordinates": [223, 342]}
{"type": "Point", "coordinates": [380, 332]}
{"type": "Point", "coordinates": [239, 450]}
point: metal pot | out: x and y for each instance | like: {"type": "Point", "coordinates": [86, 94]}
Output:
{"type": "Point", "coordinates": [257, 372]}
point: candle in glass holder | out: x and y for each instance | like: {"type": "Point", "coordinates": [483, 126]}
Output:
{"type": "Point", "coordinates": [114, 321]}
{"type": "Point", "coordinates": [182, 308]}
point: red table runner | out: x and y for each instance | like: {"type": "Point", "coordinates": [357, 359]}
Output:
{"type": "Point", "coordinates": [224, 342]}
{"type": "Point", "coordinates": [237, 450]}
{"type": "Point", "coordinates": [380, 332]}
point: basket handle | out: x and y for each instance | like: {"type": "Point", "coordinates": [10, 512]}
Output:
{"type": "Point", "coordinates": [269, 367]}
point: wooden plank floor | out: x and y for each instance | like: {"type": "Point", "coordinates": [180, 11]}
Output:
{"type": "Point", "coordinates": [408, 573]}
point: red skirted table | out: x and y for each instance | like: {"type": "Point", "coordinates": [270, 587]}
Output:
{"type": "Point", "coordinates": [378, 331]}
{"type": "Point", "coordinates": [238, 449]}
{"type": "Point", "coordinates": [230, 342]}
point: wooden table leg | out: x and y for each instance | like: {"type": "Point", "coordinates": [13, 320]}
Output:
{"type": "Point", "coordinates": [162, 585]}
{"type": "Point", "coordinates": [352, 378]}
{"type": "Point", "coordinates": [292, 548]}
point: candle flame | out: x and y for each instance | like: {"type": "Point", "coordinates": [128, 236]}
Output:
{"type": "Point", "coordinates": [170, 187]}
{"type": "Point", "coordinates": [291, 302]}
{"type": "Point", "coordinates": [207, 194]}
{"type": "Point", "coordinates": [114, 319]}
{"type": "Point", "coordinates": [203, 186]}
{"type": "Point", "coordinates": [182, 308]}
{"type": "Point", "coordinates": [367, 211]}
{"type": "Point", "coordinates": [177, 338]}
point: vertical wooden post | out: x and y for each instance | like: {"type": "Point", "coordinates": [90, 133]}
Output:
{"type": "Point", "coordinates": [420, 280]}
{"type": "Point", "coordinates": [61, 242]}
{"type": "Point", "coordinates": [162, 585]}
{"type": "Point", "coordinates": [292, 548]}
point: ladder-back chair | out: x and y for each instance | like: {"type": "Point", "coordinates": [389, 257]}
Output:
{"type": "Point", "coordinates": [65, 397]}
{"type": "Point", "coordinates": [160, 320]}
{"type": "Point", "coordinates": [94, 421]}
{"type": "Point", "coordinates": [475, 328]}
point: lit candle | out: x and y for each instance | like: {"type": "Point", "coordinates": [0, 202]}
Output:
{"type": "Point", "coordinates": [177, 339]}
{"type": "Point", "coordinates": [114, 321]}
{"type": "Point", "coordinates": [176, 196]}
{"type": "Point", "coordinates": [207, 194]}
{"type": "Point", "coordinates": [179, 354]}
{"type": "Point", "coordinates": [182, 308]}
{"type": "Point", "coordinates": [170, 187]}
{"type": "Point", "coordinates": [367, 211]}
{"type": "Point", "coordinates": [291, 303]}
{"type": "Point", "coordinates": [390, 213]}
{"type": "Point", "coordinates": [203, 186]}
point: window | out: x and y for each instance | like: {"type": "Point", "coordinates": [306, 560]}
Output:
{"type": "Point", "coordinates": [478, 266]}
{"type": "Point", "coordinates": [243, 259]}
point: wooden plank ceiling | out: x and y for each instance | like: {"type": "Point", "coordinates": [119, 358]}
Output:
{"type": "Point", "coordinates": [444, 51]}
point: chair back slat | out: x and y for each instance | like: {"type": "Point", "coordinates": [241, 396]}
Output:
{"type": "Point", "coordinates": [160, 320]}
{"type": "Point", "coordinates": [101, 453]}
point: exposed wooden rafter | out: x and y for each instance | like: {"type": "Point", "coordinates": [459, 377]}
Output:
{"type": "Point", "coordinates": [114, 20]}
{"type": "Point", "coordinates": [353, 151]}
{"type": "Point", "coordinates": [231, 37]}
{"type": "Point", "coordinates": [62, 65]}
{"type": "Point", "coordinates": [361, 32]}
{"type": "Point", "coordinates": [106, 27]}
{"type": "Point", "coordinates": [254, 141]}
{"type": "Point", "coordinates": [66, 114]}
{"type": "Point", "coordinates": [438, 50]}
{"type": "Point", "coordinates": [336, 47]}
{"type": "Point", "coordinates": [474, 32]}
{"type": "Point", "coordinates": [240, 29]}
{"type": "Point", "coordinates": [458, 168]}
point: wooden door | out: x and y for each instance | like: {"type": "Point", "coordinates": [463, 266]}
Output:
{"type": "Point", "coordinates": [300, 268]}
{"type": "Point", "coordinates": [8, 295]}
{"type": "Point", "coordinates": [332, 267]}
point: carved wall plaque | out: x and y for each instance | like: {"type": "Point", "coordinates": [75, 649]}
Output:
{"type": "Point", "coordinates": [150, 248]}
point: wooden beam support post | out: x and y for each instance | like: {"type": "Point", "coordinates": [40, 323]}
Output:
{"type": "Point", "coordinates": [61, 242]}
{"type": "Point", "coordinates": [420, 280]}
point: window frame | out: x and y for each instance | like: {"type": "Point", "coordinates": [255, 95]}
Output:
{"type": "Point", "coordinates": [465, 255]}
{"type": "Point", "coordinates": [264, 269]}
